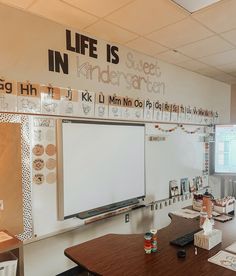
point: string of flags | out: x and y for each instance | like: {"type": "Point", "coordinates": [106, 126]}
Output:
{"type": "Point", "coordinates": [176, 127]}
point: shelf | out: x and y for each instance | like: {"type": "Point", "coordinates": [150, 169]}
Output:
{"type": "Point", "coordinates": [15, 246]}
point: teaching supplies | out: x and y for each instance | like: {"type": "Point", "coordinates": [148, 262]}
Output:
{"type": "Point", "coordinates": [154, 240]}
{"type": "Point", "coordinates": [148, 243]}
{"type": "Point", "coordinates": [185, 239]}
{"type": "Point", "coordinates": [224, 205]}
{"type": "Point", "coordinates": [224, 259]}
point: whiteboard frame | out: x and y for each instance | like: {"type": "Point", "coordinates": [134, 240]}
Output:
{"type": "Point", "coordinates": [60, 175]}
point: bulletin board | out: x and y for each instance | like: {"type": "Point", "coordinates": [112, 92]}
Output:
{"type": "Point", "coordinates": [11, 213]}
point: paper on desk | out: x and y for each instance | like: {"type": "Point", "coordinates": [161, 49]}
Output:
{"type": "Point", "coordinates": [224, 259]}
{"type": "Point", "coordinates": [4, 236]}
{"type": "Point", "coordinates": [231, 248]}
{"type": "Point", "coordinates": [186, 213]}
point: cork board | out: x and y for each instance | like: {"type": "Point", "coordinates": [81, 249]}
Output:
{"type": "Point", "coordinates": [11, 199]}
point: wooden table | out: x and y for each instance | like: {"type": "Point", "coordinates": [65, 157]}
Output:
{"type": "Point", "coordinates": [114, 254]}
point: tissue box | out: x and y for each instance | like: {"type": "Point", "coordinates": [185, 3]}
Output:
{"type": "Point", "coordinates": [208, 241]}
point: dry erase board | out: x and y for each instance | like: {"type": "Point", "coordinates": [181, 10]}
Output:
{"type": "Point", "coordinates": [101, 163]}
{"type": "Point", "coordinates": [179, 156]}
{"type": "Point", "coordinates": [172, 153]}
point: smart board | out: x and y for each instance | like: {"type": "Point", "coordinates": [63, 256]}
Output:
{"type": "Point", "coordinates": [100, 164]}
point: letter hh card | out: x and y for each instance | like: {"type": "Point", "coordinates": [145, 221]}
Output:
{"type": "Point", "coordinates": [28, 97]}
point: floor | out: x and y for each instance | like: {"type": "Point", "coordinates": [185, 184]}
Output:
{"type": "Point", "coordinates": [76, 271]}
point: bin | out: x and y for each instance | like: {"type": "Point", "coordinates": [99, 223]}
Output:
{"type": "Point", "coordinates": [8, 264]}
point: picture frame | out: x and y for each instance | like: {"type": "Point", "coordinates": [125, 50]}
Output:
{"type": "Point", "coordinates": [174, 188]}
{"type": "Point", "coordinates": [192, 185]}
{"type": "Point", "coordinates": [184, 185]}
{"type": "Point", "coordinates": [199, 183]}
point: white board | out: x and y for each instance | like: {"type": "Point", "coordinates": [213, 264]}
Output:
{"type": "Point", "coordinates": [102, 164]}
{"type": "Point", "coordinates": [180, 155]}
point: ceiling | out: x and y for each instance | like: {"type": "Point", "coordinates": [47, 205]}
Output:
{"type": "Point", "coordinates": [203, 41]}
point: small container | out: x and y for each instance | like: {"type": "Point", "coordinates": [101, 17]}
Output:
{"type": "Point", "coordinates": [148, 243]}
{"type": "Point", "coordinates": [203, 215]}
{"type": "Point", "coordinates": [154, 240]}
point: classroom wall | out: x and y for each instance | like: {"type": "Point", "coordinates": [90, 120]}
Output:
{"type": "Point", "coordinates": [25, 40]}
{"type": "Point", "coordinates": [233, 104]}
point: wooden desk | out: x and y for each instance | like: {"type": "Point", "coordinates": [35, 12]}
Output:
{"type": "Point", "coordinates": [124, 254]}
{"type": "Point", "coordinates": [16, 247]}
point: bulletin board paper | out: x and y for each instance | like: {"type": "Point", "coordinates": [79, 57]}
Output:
{"type": "Point", "coordinates": [11, 217]}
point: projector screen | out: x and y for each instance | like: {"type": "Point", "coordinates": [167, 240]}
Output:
{"type": "Point", "coordinates": [225, 149]}
{"type": "Point", "coordinates": [100, 164]}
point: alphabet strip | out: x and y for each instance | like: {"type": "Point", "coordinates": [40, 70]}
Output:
{"type": "Point", "coordinates": [27, 97]}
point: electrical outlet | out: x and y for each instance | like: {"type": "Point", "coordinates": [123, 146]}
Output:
{"type": "Point", "coordinates": [126, 218]}
{"type": "Point", "coordinates": [1, 205]}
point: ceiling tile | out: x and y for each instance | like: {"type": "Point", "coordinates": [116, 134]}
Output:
{"type": "Point", "coordinates": [230, 36]}
{"type": "Point", "coordinates": [172, 57]}
{"type": "Point", "coordinates": [226, 78]}
{"type": "Point", "coordinates": [233, 73]}
{"type": "Point", "coordinates": [99, 8]}
{"type": "Point", "coordinates": [191, 65]}
{"type": "Point", "coordinates": [221, 58]}
{"type": "Point", "coordinates": [146, 46]}
{"type": "Point", "coordinates": [62, 13]}
{"type": "Point", "coordinates": [228, 68]}
{"type": "Point", "coordinates": [181, 33]}
{"type": "Point", "coordinates": [143, 17]}
{"type": "Point", "coordinates": [219, 17]}
{"type": "Point", "coordinates": [23, 4]}
{"type": "Point", "coordinates": [206, 47]}
{"type": "Point", "coordinates": [110, 32]}
{"type": "Point", "coordinates": [209, 71]}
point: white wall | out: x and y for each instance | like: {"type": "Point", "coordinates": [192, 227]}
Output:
{"type": "Point", "coordinates": [25, 40]}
